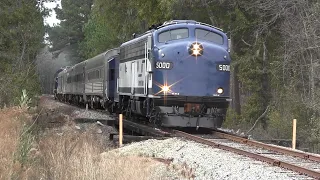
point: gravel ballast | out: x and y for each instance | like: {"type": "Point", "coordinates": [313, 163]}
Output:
{"type": "Point", "coordinates": [90, 114]}
{"type": "Point", "coordinates": [206, 162]}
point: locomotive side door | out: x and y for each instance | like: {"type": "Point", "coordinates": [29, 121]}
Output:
{"type": "Point", "coordinates": [83, 82]}
{"type": "Point", "coordinates": [148, 64]}
{"type": "Point", "coordinates": [133, 76]}
{"type": "Point", "coordinates": [64, 83]}
{"type": "Point", "coordinates": [144, 69]}
{"type": "Point", "coordinates": [106, 79]}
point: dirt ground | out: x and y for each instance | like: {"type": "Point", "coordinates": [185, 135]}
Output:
{"type": "Point", "coordinates": [59, 119]}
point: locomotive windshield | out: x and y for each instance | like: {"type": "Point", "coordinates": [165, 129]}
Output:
{"type": "Point", "coordinates": [173, 34]}
{"type": "Point", "coordinates": [209, 36]}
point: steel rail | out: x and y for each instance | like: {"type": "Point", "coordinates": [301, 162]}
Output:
{"type": "Point", "coordinates": [274, 162]}
{"type": "Point", "coordinates": [283, 150]}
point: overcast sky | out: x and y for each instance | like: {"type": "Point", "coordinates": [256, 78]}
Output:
{"type": "Point", "coordinates": [51, 20]}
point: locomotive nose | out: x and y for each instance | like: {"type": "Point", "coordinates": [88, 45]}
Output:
{"type": "Point", "coordinates": [198, 68]}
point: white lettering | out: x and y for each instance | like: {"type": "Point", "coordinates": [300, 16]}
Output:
{"type": "Point", "coordinates": [163, 65]}
{"type": "Point", "coordinates": [224, 67]}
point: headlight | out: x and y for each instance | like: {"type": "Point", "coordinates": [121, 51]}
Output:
{"type": "Point", "coordinates": [219, 90]}
{"type": "Point", "coordinates": [165, 88]}
{"type": "Point", "coordinates": [196, 52]}
{"type": "Point", "coordinates": [196, 49]}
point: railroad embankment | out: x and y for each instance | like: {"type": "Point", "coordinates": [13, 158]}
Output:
{"type": "Point", "coordinates": [59, 141]}
{"type": "Point", "coordinates": [48, 142]}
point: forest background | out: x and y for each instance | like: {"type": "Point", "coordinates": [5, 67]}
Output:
{"type": "Point", "coordinates": [275, 51]}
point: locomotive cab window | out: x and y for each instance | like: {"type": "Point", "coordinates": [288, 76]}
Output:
{"type": "Point", "coordinates": [209, 36]}
{"type": "Point", "coordinates": [173, 35]}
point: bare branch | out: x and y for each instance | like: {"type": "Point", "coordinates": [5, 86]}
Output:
{"type": "Point", "coordinates": [262, 116]}
{"type": "Point", "coordinates": [245, 42]}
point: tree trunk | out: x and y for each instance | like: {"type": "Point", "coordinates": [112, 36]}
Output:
{"type": "Point", "coordinates": [236, 90]}
{"type": "Point", "coordinates": [265, 83]}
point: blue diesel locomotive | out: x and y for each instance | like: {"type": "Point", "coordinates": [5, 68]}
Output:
{"type": "Point", "coordinates": [176, 75]}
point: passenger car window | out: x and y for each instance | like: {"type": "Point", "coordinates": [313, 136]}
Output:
{"type": "Point", "coordinates": [173, 34]}
{"type": "Point", "coordinates": [209, 36]}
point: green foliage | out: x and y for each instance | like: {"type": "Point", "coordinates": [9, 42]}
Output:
{"type": "Point", "coordinates": [21, 30]}
{"type": "Point", "coordinates": [25, 154]}
{"type": "Point", "coordinates": [58, 37]}
{"type": "Point", "coordinates": [24, 99]}
{"type": "Point", "coordinates": [232, 119]}
{"type": "Point", "coordinates": [110, 24]}
{"type": "Point", "coordinates": [252, 108]}
{"type": "Point", "coordinates": [14, 83]}
{"type": "Point", "coordinates": [73, 15]}
{"type": "Point", "coordinates": [21, 37]}
{"type": "Point", "coordinates": [24, 147]}
{"type": "Point", "coordinates": [70, 32]}
{"type": "Point", "coordinates": [281, 126]}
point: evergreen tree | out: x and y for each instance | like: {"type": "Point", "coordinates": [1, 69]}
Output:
{"type": "Point", "coordinates": [21, 35]}
{"type": "Point", "coordinates": [73, 15]}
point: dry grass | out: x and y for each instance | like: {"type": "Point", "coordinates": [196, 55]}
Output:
{"type": "Point", "coordinates": [62, 152]}
{"type": "Point", "coordinates": [77, 156]}
{"type": "Point", "coordinates": [10, 129]}
{"type": "Point", "coordinates": [129, 167]}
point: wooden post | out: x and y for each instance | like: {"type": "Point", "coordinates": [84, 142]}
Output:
{"type": "Point", "coordinates": [120, 130]}
{"type": "Point", "coordinates": [86, 106]}
{"type": "Point", "coordinates": [294, 128]}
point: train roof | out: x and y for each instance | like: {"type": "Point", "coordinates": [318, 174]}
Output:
{"type": "Point", "coordinates": [136, 39]}
{"type": "Point", "coordinates": [165, 24]}
{"type": "Point", "coordinates": [173, 22]}
{"type": "Point", "coordinates": [58, 71]}
{"type": "Point", "coordinates": [108, 53]}
{"type": "Point", "coordinates": [111, 52]}
{"type": "Point", "coordinates": [169, 23]}
{"type": "Point", "coordinates": [99, 59]}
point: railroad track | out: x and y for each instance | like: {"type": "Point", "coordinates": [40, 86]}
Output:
{"type": "Point", "coordinates": [297, 161]}
{"type": "Point", "coordinates": [300, 162]}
